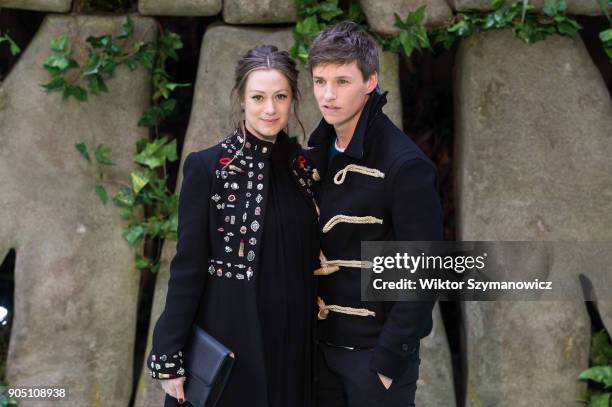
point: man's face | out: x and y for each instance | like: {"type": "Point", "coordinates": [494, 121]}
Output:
{"type": "Point", "coordinates": [341, 93]}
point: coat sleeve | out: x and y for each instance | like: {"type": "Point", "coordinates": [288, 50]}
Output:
{"type": "Point", "coordinates": [187, 273]}
{"type": "Point", "coordinates": [416, 215]}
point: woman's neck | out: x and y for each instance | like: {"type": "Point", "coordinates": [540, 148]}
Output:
{"type": "Point", "coordinates": [269, 139]}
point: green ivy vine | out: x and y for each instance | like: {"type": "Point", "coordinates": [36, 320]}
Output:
{"type": "Point", "coordinates": [526, 24]}
{"type": "Point", "coordinates": [599, 375]}
{"type": "Point", "coordinates": [606, 35]}
{"type": "Point", "coordinates": [12, 44]}
{"type": "Point", "coordinates": [148, 207]}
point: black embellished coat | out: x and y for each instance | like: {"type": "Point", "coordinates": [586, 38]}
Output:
{"type": "Point", "coordinates": [382, 187]}
{"type": "Point", "coordinates": [214, 274]}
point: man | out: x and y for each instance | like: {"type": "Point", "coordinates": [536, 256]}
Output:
{"type": "Point", "coordinates": [375, 184]}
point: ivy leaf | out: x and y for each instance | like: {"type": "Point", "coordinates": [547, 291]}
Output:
{"type": "Point", "coordinates": [355, 13]}
{"type": "Point", "coordinates": [138, 45]}
{"type": "Point", "coordinates": [421, 35]}
{"type": "Point", "coordinates": [97, 85]}
{"type": "Point", "coordinates": [606, 36]}
{"type": "Point", "coordinates": [489, 22]}
{"type": "Point", "coordinates": [497, 4]}
{"type": "Point", "coordinates": [461, 28]}
{"type": "Point", "coordinates": [102, 194]}
{"type": "Point", "coordinates": [127, 28]}
{"type": "Point", "coordinates": [95, 42]}
{"type": "Point", "coordinates": [102, 155]}
{"type": "Point", "coordinates": [598, 374]}
{"type": "Point", "coordinates": [139, 180]}
{"type": "Point", "coordinates": [154, 267]}
{"type": "Point", "coordinates": [133, 233]}
{"type": "Point", "coordinates": [416, 17]}
{"type": "Point", "coordinates": [124, 198]}
{"type": "Point", "coordinates": [398, 21]}
{"type": "Point", "coordinates": [82, 148]}
{"type": "Point", "coordinates": [604, 9]}
{"type": "Point", "coordinates": [141, 262]}
{"type": "Point", "coordinates": [155, 114]}
{"type": "Point", "coordinates": [57, 63]}
{"type": "Point", "coordinates": [164, 88]}
{"type": "Point", "coordinates": [127, 214]}
{"type": "Point", "coordinates": [141, 144]}
{"type": "Point", "coordinates": [60, 43]}
{"type": "Point", "coordinates": [56, 83]}
{"type": "Point", "coordinates": [170, 42]}
{"type": "Point", "coordinates": [132, 63]}
{"type": "Point", "coordinates": [600, 400]}
{"type": "Point", "coordinates": [78, 92]}
{"type": "Point", "coordinates": [302, 52]}
{"type": "Point", "coordinates": [567, 26]}
{"type": "Point", "coordinates": [152, 156]}
{"type": "Point", "coordinates": [329, 15]}
{"type": "Point", "coordinates": [601, 349]}
{"type": "Point", "coordinates": [408, 43]}
{"type": "Point", "coordinates": [146, 58]}
{"type": "Point", "coordinates": [554, 7]}
{"type": "Point", "coordinates": [169, 151]}
{"type": "Point", "coordinates": [13, 45]}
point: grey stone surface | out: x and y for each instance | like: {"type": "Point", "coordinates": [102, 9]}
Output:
{"type": "Point", "coordinates": [381, 18]}
{"type": "Point", "coordinates": [435, 385]}
{"type": "Point", "coordinates": [584, 7]}
{"type": "Point", "coordinates": [259, 12]}
{"type": "Point", "coordinates": [533, 142]}
{"type": "Point", "coordinates": [75, 284]}
{"type": "Point", "coordinates": [526, 353]}
{"type": "Point", "coordinates": [58, 6]}
{"type": "Point", "coordinates": [210, 121]}
{"type": "Point", "coordinates": [180, 7]}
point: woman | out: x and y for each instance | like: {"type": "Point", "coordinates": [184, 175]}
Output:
{"type": "Point", "coordinates": [247, 246]}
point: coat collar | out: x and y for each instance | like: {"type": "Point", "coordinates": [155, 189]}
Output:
{"type": "Point", "coordinates": [324, 134]}
{"type": "Point", "coordinates": [249, 145]}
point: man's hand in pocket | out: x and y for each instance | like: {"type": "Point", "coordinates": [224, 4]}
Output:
{"type": "Point", "coordinates": [386, 381]}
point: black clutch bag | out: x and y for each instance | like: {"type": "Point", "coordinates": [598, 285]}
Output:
{"type": "Point", "coordinates": [208, 364]}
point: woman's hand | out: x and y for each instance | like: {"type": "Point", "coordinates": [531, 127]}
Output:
{"type": "Point", "coordinates": [174, 387]}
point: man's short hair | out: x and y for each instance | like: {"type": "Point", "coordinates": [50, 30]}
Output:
{"type": "Point", "coordinates": [344, 43]}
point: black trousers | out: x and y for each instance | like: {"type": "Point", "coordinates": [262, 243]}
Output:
{"type": "Point", "coordinates": [344, 379]}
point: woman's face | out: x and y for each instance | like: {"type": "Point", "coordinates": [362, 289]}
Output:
{"type": "Point", "coordinates": [267, 103]}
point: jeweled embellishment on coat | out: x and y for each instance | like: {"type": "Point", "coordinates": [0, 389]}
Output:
{"type": "Point", "coordinates": [254, 226]}
{"type": "Point", "coordinates": [167, 369]}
